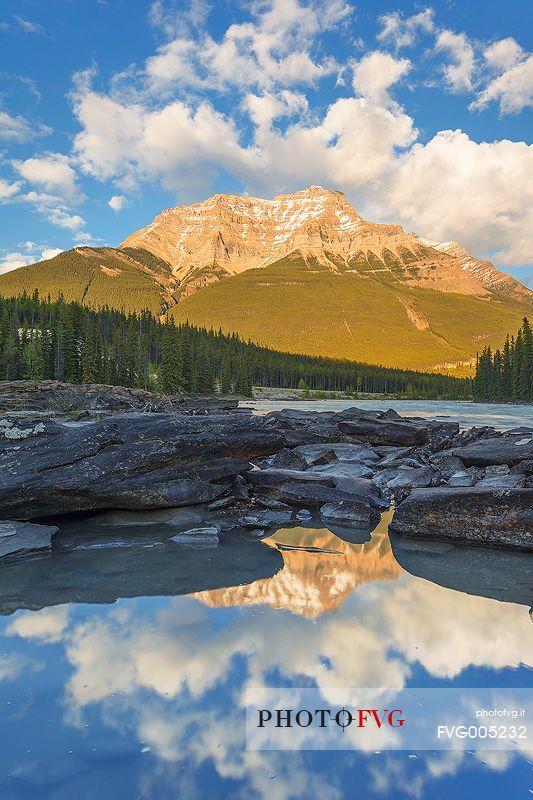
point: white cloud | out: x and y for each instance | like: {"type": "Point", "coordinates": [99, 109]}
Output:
{"type": "Point", "coordinates": [8, 190]}
{"type": "Point", "coordinates": [53, 172]}
{"type": "Point", "coordinates": [375, 73]}
{"type": "Point", "coordinates": [174, 18]}
{"type": "Point", "coordinates": [512, 88]}
{"type": "Point", "coordinates": [457, 74]}
{"type": "Point", "coordinates": [117, 202]}
{"type": "Point", "coordinates": [19, 129]}
{"type": "Point", "coordinates": [480, 194]}
{"type": "Point", "coordinates": [403, 32]}
{"type": "Point", "coordinates": [503, 53]}
{"type": "Point", "coordinates": [273, 49]}
{"type": "Point", "coordinates": [46, 625]}
{"type": "Point", "coordinates": [50, 252]}
{"type": "Point", "coordinates": [10, 261]}
{"type": "Point", "coordinates": [56, 211]}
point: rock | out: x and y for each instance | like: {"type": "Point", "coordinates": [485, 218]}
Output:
{"type": "Point", "coordinates": [66, 397]}
{"type": "Point", "coordinates": [413, 478]}
{"type": "Point", "coordinates": [363, 490]}
{"type": "Point", "coordinates": [464, 477]}
{"type": "Point", "coordinates": [288, 459]}
{"type": "Point", "coordinates": [386, 432]}
{"type": "Point", "coordinates": [315, 495]}
{"type": "Point", "coordinates": [523, 467]}
{"type": "Point", "coordinates": [505, 449]}
{"type": "Point", "coordinates": [275, 505]}
{"type": "Point", "coordinates": [347, 514]}
{"type": "Point", "coordinates": [446, 463]}
{"type": "Point", "coordinates": [504, 481]}
{"type": "Point", "coordinates": [481, 516]}
{"type": "Point", "coordinates": [264, 518]}
{"type": "Point", "coordinates": [22, 539]}
{"type": "Point", "coordinates": [198, 536]}
{"type": "Point", "coordinates": [131, 461]}
{"type": "Point", "coordinates": [320, 454]}
{"type": "Point", "coordinates": [344, 469]}
{"type": "Point", "coordinates": [61, 398]}
{"type": "Point", "coordinates": [496, 470]}
{"type": "Point", "coordinates": [441, 435]}
{"type": "Point", "coordinates": [278, 477]}
{"type": "Point", "coordinates": [303, 515]}
{"type": "Point", "coordinates": [224, 502]}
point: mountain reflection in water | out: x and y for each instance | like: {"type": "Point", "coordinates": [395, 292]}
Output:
{"type": "Point", "coordinates": [141, 693]}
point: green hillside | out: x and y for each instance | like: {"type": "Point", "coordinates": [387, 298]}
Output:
{"type": "Point", "coordinates": [291, 306]}
{"type": "Point", "coordinates": [296, 305]}
{"type": "Point", "coordinates": [129, 280]}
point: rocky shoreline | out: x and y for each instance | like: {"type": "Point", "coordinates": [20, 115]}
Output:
{"type": "Point", "coordinates": [203, 469]}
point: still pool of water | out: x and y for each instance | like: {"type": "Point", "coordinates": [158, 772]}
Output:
{"type": "Point", "coordinates": [124, 661]}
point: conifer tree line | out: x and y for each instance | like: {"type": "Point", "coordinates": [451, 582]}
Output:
{"type": "Point", "coordinates": [73, 343]}
{"type": "Point", "coordinates": [507, 374]}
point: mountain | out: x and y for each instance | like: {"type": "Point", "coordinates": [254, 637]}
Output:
{"type": "Point", "coordinates": [303, 272]}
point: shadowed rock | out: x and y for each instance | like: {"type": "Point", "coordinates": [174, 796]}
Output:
{"type": "Point", "coordinates": [507, 449]}
{"type": "Point", "coordinates": [493, 517]}
{"type": "Point", "coordinates": [135, 461]}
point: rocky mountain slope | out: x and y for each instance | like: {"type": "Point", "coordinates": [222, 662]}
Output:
{"type": "Point", "coordinates": [303, 272]}
{"type": "Point", "coordinates": [227, 235]}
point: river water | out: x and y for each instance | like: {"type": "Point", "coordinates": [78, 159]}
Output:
{"type": "Point", "coordinates": [123, 669]}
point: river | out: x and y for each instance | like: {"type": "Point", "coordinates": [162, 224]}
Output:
{"type": "Point", "coordinates": [128, 677]}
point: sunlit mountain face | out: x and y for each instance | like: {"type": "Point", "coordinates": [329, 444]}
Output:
{"type": "Point", "coordinates": [150, 688]}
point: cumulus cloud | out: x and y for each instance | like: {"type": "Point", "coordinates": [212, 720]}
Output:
{"type": "Point", "coordinates": [18, 129]}
{"type": "Point", "coordinates": [512, 86]}
{"type": "Point", "coordinates": [117, 202]}
{"type": "Point", "coordinates": [8, 190]}
{"type": "Point", "coordinates": [52, 172]}
{"type": "Point", "coordinates": [375, 73]}
{"type": "Point", "coordinates": [275, 48]}
{"type": "Point", "coordinates": [50, 252]}
{"type": "Point", "coordinates": [458, 73]}
{"type": "Point", "coordinates": [478, 193]}
{"type": "Point", "coordinates": [14, 260]}
{"type": "Point", "coordinates": [402, 32]}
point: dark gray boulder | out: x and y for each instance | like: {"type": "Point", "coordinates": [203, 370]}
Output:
{"type": "Point", "coordinates": [22, 539]}
{"type": "Point", "coordinates": [493, 517]}
{"type": "Point", "coordinates": [386, 432]}
{"type": "Point", "coordinates": [506, 449]}
{"type": "Point", "coordinates": [347, 514]}
{"type": "Point", "coordinates": [278, 477]}
{"type": "Point", "coordinates": [287, 459]}
{"type": "Point", "coordinates": [132, 461]}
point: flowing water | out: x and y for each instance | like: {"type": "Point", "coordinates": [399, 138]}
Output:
{"type": "Point", "coordinates": [124, 658]}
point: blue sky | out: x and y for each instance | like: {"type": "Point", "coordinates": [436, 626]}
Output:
{"type": "Point", "coordinates": [111, 110]}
